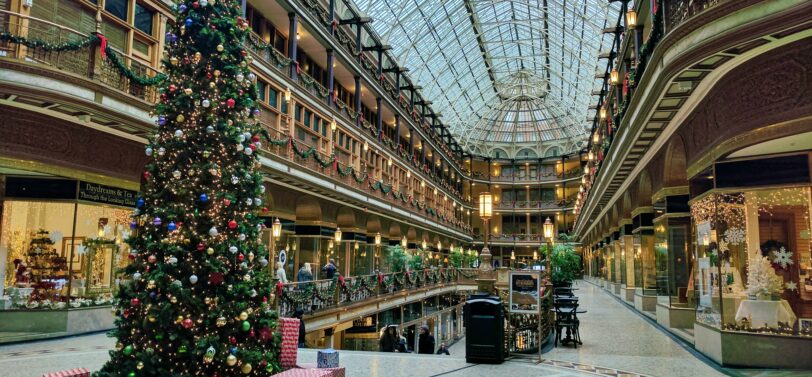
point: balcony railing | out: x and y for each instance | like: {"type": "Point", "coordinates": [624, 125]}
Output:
{"type": "Point", "coordinates": [86, 62]}
{"type": "Point", "coordinates": [321, 295]}
{"type": "Point", "coordinates": [532, 204]}
{"type": "Point", "coordinates": [677, 11]}
{"type": "Point", "coordinates": [319, 162]}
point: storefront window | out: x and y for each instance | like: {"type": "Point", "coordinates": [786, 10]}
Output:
{"type": "Point", "coordinates": [672, 260]}
{"type": "Point", "coordinates": [753, 260]}
{"type": "Point", "coordinates": [56, 250]}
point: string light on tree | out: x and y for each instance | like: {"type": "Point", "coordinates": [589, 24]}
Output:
{"type": "Point", "coordinates": [197, 264]}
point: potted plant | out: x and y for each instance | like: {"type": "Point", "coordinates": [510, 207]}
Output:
{"type": "Point", "coordinates": [566, 264]}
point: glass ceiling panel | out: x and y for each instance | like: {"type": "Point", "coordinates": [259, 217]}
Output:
{"type": "Point", "coordinates": [518, 72]}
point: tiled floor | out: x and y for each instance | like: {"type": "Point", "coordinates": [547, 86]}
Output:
{"type": "Point", "coordinates": [615, 338]}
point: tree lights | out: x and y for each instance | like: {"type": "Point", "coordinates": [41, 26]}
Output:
{"type": "Point", "coordinates": [197, 297]}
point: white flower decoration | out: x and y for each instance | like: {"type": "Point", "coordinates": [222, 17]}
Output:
{"type": "Point", "coordinates": [783, 257]}
{"type": "Point", "coordinates": [723, 246]}
{"type": "Point", "coordinates": [735, 236]}
{"type": "Point", "coordinates": [791, 286]}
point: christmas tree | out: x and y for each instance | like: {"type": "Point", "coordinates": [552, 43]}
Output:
{"type": "Point", "coordinates": [197, 301]}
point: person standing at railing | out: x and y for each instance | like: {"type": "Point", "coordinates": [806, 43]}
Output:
{"type": "Point", "coordinates": [329, 269]}
{"type": "Point", "coordinates": [305, 274]}
{"type": "Point", "coordinates": [280, 273]}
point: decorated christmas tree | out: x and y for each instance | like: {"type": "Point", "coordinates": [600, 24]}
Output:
{"type": "Point", "coordinates": [196, 299]}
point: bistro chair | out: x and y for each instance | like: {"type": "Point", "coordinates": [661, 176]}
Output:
{"type": "Point", "coordinates": [566, 318]}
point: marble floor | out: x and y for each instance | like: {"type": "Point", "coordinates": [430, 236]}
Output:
{"type": "Point", "coordinates": [617, 342]}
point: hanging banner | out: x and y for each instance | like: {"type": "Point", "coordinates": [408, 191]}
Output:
{"type": "Point", "coordinates": [524, 292]}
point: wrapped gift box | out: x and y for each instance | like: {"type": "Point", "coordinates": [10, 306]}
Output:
{"type": "Point", "coordinates": [327, 358]}
{"type": "Point", "coordinates": [334, 372]}
{"type": "Point", "coordinates": [76, 372]}
{"type": "Point", "coordinates": [297, 372]}
{"type": "Point", "coordinates": [290, 342]}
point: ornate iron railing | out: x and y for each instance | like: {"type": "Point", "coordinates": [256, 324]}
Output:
{"type": "Point", "coordinates": [321, 295]}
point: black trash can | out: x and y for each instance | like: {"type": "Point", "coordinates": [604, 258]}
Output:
{"type": "Point", "coordinates": [484, 329]}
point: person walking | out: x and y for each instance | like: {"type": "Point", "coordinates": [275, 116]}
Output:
{"type": "Point", "coordinates": [329, 269]}
{"type": "Point", "coordinates": [388, 340]}
{"type": "Point", "coordinates": [280, 273]}
{"type": "Point", "coordinates": [443, 350]}
{"type": "Point", "coordinates": [425, 342]}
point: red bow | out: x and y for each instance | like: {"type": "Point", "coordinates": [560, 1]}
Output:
{"type": "Point", "coordinates": [380, 279]}
{"type": "Point", "coordinates": [103, 42]}
{"type": "Point", "coordinates": [341, 280]}
{"type": "Point", "coordinates": [279, 288]}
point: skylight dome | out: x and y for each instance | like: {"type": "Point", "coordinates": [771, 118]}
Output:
{"type": "Point", "coordinates": [494, 62]}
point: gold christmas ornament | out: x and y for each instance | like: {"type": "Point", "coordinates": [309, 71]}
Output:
{"type": "Point", "coordinates": [173, 60]}
{"type": "Point", "coordinates": [173, 300]}
{"type": "Point", "coordinates": [243, 316]}
{"type": "Point", "coordinates": [188, 91]}
{"type": "Point", "coordinates": [210, 251]}
{"type": "Point", "coordinates": [216, 73]}
{"type": "Point", "coordinates": [246, 368]}
{"type": "Point", "coordinates": [220, 48]}
{"type": "Point", "coordinates": [139, 365]}
{"type": "Point", "coordinates": [221, 321]}
{"type": "Point", "coordinates": [231, 360]}
{"type": "Point", "coordinates": [180, 118]}
{"type": "Point", "coordinates": [198, 55]}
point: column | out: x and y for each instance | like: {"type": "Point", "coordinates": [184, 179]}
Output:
{"type": "Point", "coordinates": [292, 44]}
{"type": "Point", "coordinates": [397, 129]}
{"type": "Point", "coordinates": [379, 118]}
{"type": "Point", "coordinates": [331, 14]}
{"type": "Point", "coordinates": [358, 100]}
{"type": "Point", "coordinates": [330, 76]}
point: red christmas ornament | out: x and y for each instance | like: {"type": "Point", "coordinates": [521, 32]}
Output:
{"type": "Point", "coordinates": [216, 278]}
{"type": "Point", "coordinates": [265, 333]}
{"type": "Point", "coordinates": [227, 202]}
{"type": "Point", "coordinates": [252, 146]}
{"type": "Point", "coordinates": [151, 259]}
{"type": "Point", "coordinates": [264, 209]}
{"type": "Point", "coordinates": [200, 246]}
{"type": "Point", "coordinates": [146, 175]}
{"type": "Point", "coordinates": [134, 302]}
{"type": "Point", "coordinates": [241, 257]}
{"type": "Point", "coordinates": [195, 5]}
{"type": "Point", "coordinates": [255, 138]}
{"type": "Point", "coordinates": [187, 323]}
{"type": "Point", "coordinates": [251, 334]}
{"type": "Point", "coordinates": [232, 340]}
{"type": "Point", "coordinates": [172, 87]}
{"type": "Point", "coordinates": [232, 224]}
{"type": "Point", "coordinates": [230, 102]}
{"type": "Point", "coordinates": [125, 313]}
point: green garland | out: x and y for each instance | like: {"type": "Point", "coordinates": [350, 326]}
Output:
{"type": "Point", "coordinates": [113, 58]}
{"type": "Point", "coordinates": [93, 39]}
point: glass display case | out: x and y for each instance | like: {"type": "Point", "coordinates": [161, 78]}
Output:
{"type": "Point", "coordinates": [752, 260]}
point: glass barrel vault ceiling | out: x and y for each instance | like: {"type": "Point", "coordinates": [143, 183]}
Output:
{"type": "Point", "coordinates": [503, 74]}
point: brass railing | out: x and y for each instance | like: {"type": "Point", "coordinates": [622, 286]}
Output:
{"type": "Point", "coordinates": [86, 62]}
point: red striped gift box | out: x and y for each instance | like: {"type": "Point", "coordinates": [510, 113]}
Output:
{"type": "Point", "coordinates": [75, 372]}
{"type": "Point", "coordinates": [290, 342]}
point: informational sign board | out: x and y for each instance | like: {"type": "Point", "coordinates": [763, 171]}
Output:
{"type": "Point", "coordinates": [524, 292]}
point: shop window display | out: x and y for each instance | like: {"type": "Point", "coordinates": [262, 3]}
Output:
{"type": "Point", "coordinates": [60, 254]}
{"type": "Point", "coordinates": [752, 269]}
{"type": "Point", "coordinates": [672, 260]}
